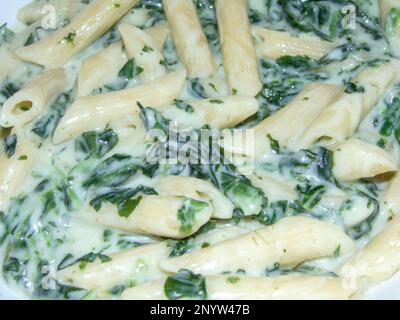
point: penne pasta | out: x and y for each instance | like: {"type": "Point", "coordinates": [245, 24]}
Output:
{"type": "Point", "coordinates": [101, 68]}
{"type": "Point", "coordinates": [197, 189]}
{"type": "Point", "coordinates": [93, 112]}
{"type": "Point", "coordinates": [159, 34]}
{"type": "Point", "coordinates": [275, 189]}
{"type": "Point", "coordinates": [355, 159]}
{"type": "Point", "coordinates": [389, 14]}
{"type": "Point", "coordinates": [221, 113]}
{"type": "Point", "coordinates": [238, 52]}
{"type": "Point", "coordinates": [199, 149]}
{"type": "Point", "coordinates": [253, 288]}
{"type": "Point", "coordinates": [28, 103]}
{"type": "Point", "coordinates": [378, 261]}
{"type": "Point", "coordinates": [15, 170]}
{"type": "Point", "coordinates": [128, 268]}
{"type": "Point", "coordinates": [58, 48]}
{"type": "Point", "coordinates": [275, 44]}
{"type": "Point", "coordinates": [391, 198]}
{"type": "Point", "coordinates": [164, 216]}
{"type": "Point", "coordinates": [189, 38]}
{"type": "Point", "coordinates": [141, 47]}
{"type": "Point", "coordinates": [288, 242]}
{"type": "Point", "coordinates": [340, 120]}
{"type": "Point", "coordinates": [296, 117]}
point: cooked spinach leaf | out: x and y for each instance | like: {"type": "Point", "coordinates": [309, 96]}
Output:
{"type": "Point", "coordinates": [113, 171]}
{"type": "Point", "coordinates": [96, 143]}
{"type": "Point", "coordinates": [185, 284]}
{"type": "Point", "coordinates": [10, 143]}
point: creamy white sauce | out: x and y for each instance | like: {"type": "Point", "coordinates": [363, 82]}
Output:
{"type": "Point", "coordinates": [56, 162]}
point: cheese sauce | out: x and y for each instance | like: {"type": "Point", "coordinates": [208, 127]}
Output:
{"type": "Point", "coordinates": [40, 229]}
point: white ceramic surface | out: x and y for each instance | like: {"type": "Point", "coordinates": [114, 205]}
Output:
{"type": "Point", "coordinates": [387, 290]}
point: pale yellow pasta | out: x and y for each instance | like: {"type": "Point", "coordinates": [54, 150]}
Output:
{"type": "Point", "coordinates": [197, 189]}
{"type": "Point", "coordinates": [189, 38]}
{"type": "Point", "coordinates": [101, 68]}
{"type": "Point", "coordinates": [238, 51]}
{"type": "Point", "coordinates": [295, 118]}
{"type": "Point", "coordinates": [220, 113]}
{"type": "Point", "coordinates": [378, 261]}
{"type": "Point", "coordinates": [58, 48]}
{"type": "Point", "coordinates": [129, 267]}
{"type": "Point", "coordinates": [37, 9]}
{"type": "Point", "coordinates": [28, 103]}
{"type": "Point", "coordinates": [389, 14]}
{"type": "Point", "coordinates": [275, 189]}
{"type": "Point", "coordinates": [254, 288]}
{"type": "Point", "coordinates": [16, 169]}
{"type": "Point", "coordinates": [154, 215]}
{"type": "Point", "coordinates": [141, 47]}
{"type": "Point", "coordinates": [275, 44]}
{"type": "Point", "coordinates": [355, 159]}
{"type": "Point", "coordinates": [10, 62]}
{"type": "Point", "coordinates": [159, 34]}
{"type": "Point", "coordinates": [288, 242]}
{"type": "Point", "coordinates": [391, 197]}
{"type": "Point", "coordinates": [340, 120]}
{"type": "Point", "coordinates": [97, 111]}
{"type": "Point", "coordinates": [385, 6]}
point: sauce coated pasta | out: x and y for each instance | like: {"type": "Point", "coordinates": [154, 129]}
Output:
{"type": "Point", "coordinates": [200, 149]}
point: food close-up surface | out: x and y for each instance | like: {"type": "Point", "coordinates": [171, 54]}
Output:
{"type": "Point", "coordinates": [200, 149]}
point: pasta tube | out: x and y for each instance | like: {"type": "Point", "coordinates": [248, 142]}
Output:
{"type": "Point", "coordinates": [28, 103]}
{"type": "Point", "coordinates": [58, 48]}
{"type": "Point", "coordinates": [274, 44]}
{"type": "Point", "coordinates": [355, 159]}
{"type": "Point", "coordinates": [16, 169]}
{"type": "Point", "coordinates": [391, 197]}
{"type": "Point", "coordinates": [100, 110]}
{"type": "Point", "coordinates": [238, 52]}
{"type": "Point", "coordinates": [379, 260]}
{"type": "Point", "coordinates": [221, 113]}
{"type": "Point", "coordinates": [288, 242]}
{"type": "Point", "coordinates": [296, 117]}
{"type": "Point", "coordinates": [101, 68]}
{"type": "Point", "coordinates": [130, 267]}
{"type": "Point", "coordinates": [340, 120]}
{"type": "Point", "coordinates": [254, 288]}
{"type": "Point", "coordinates": [189, 38]}
{"type": "Point", "coordinates": [197, 189]}
{"type": "Point", "coordinates": [159, 34]}
{"type": "Point", "coordinates": [168, 217]}
{"type": "Point", "coordinates": [141, 47]}
{"type": "Point", "coordinates": [275, 189]}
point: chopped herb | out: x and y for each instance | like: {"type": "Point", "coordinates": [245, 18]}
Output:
{"type": "Point", "coordinates": [180, 104]}
{"type": "Point", "coordinates": [130, 70]}
{"type": "Point", "coordinates": [351, 87]}
{"type": "Point", "coordinates": [216, 101]}
{"type": "Point", "coordinates": [233, 279]}
{"type": "Point", "coordinates": [70, 38]}
{"type": "Point", "coordinates": [274, 144]}
{"type": "Point", "coordinates": [147, 49]}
